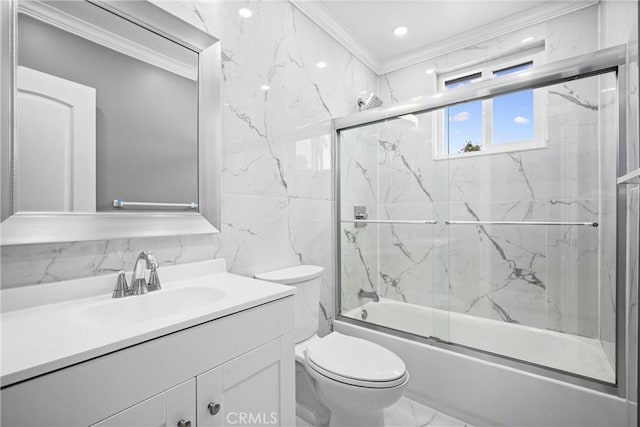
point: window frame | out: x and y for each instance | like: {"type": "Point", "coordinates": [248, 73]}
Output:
{"type": "Point", "coordinates": [486, 70]}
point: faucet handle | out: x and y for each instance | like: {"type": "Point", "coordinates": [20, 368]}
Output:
{"type": "Point", "coordinates": [122, 288]}
{"type": "Point", "coordinates": [154, 280]}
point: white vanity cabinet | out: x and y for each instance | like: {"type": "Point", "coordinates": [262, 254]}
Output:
{"type": "Point", "coordinates": [253, 389]}
{"type": "Point", "coordinates": [242, 362]}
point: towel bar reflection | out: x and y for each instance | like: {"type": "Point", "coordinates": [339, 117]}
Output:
{"type": "Point", "coordinates": [122, 204]}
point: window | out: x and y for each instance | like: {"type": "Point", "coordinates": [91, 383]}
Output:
{"type": "Point", "coordinates": [504, 123]}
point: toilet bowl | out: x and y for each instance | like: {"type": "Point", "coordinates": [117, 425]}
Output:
{"type": "Point", "coordinates": [345, 380]}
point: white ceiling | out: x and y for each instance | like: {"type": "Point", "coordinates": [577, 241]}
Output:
{"type": "Point", "coordinates": [435, 26]}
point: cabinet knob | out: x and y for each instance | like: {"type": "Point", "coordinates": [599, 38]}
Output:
{"type": "Point", "coordinates": [214, 408]}
{"type": "Point", "coordinates": [184, 423]}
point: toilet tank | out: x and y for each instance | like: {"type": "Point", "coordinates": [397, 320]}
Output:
{"type": "Point", "coordinates": [306, 279]}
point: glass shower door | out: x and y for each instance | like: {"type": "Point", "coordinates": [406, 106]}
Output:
{"type": "Point", "coordinates": [398, 247]}
{"type": "Point", "coordinates": [532, 232]}
{"type": "Point", "coordinates": [499, 235]}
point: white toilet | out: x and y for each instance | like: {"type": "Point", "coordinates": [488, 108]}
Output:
{"type": "Point", "coordinates": [347, 380]}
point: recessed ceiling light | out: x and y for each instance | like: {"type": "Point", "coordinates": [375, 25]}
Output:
{"type": "Point", "coordinates": [429, 71]}
{"type": "Point", "coordinates": [400, 31]}
{"type": "Point", "coordinates": [321, 64]}
{"type": "Point", "coordinates": [527, 40]}
{"type": "Point", "coordinates": [245, 13]}
{"type": "Point", "coordinates": [265, 87]}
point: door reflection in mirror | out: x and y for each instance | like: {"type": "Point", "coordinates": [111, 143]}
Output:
{"type": "Point", "coordinates": [138, 142]}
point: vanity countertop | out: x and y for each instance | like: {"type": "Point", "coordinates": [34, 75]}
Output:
{"type": "Point", "coordinates": [52, 326]}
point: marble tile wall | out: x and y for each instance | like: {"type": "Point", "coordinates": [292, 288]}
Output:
{"type": "Point", "coordinates": [277, 202]}
{"type": "Point", "coordinates": [51, 262]}
{"type": "Point", "coordinates": [514, 274]}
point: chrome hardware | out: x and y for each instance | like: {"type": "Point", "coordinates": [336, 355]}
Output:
{"type": "Point", "coordinates": [122, 288]}
{"type": "Point", "coordinates": [366, 294]}
{"type": "Point", "coordinates": [632, 177]}
{"type": "Point", "coordinates": [122, 204]}
{"type": "Point", "coordinates": [213, 408]}
{"type": "Point", "coordinates": [154, 280]}
{"type": "Point", "coordinates": [363, 222]}
{"type": "Point", "coordinates": [588, 224]}
{"type": "Point", "coordinates": [360, 213]}
{"type": "Point", "coordinates": [139, 284]}
{"type": "Point", "coordinates": [184, 423]}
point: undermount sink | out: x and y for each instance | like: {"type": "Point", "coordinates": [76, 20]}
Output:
{"type": "Point", "coordinates": [150, 306]}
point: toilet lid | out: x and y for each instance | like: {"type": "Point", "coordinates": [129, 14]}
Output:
{"type": "Point", "coordinates": [355, 361]}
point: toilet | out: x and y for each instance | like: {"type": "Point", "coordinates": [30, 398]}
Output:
{"type": "Point", "coordinates": [340, 380]}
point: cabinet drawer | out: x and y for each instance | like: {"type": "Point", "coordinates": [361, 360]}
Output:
{"type": "Point", "coordinates": [164, 409]}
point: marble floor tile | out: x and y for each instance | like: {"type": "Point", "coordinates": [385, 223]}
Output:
{"type": "Point", "coordinates": [408, 413]}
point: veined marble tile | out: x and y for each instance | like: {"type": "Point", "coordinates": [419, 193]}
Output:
{"type": "Point", "coordinates": [52, 262]}
{"type": "Point", "coordinates": [359, 174]}
{"type": "Point", "coordinates": [359, 263]}
{"type": "Point", "coordinates": [408, 173]}
{"type": "Point", "coordinates": [569, 35]}
{"type": "Point", "coordinates": [277, 141]}
{"type": "Point", "coordinates": [408, 253]}
{"type": "Point", "coordinates": [410, 413]}
{"type": "Point", "coordinates": [269, 233]}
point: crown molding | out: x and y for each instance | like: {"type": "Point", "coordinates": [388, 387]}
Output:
{"type": "Point", "coordinates": [325, 20]}
{"type": "Point", "coordinates": [74, 25]}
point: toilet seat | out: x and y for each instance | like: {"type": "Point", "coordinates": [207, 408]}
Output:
{"type": "Point", "coordinates": [355, 361]}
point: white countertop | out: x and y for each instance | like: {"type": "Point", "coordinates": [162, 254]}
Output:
{"type": "Point", "coordinates": [46, 327]}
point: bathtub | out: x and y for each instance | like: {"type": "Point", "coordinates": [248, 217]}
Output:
{"type": "Point", "coordinates": [483, 391]}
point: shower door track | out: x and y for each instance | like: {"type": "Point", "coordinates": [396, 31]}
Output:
{"type": "Point", "coordinates": [612, 59]}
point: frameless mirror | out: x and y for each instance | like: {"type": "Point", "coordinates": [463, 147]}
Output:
{"type": "Point", "coordinates": [115, 109]}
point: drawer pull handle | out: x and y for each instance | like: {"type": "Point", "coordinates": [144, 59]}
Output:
{"type": "Point", "coordinates": [183, 423]}
{"type": "Point", "coordinates": [214, 408]}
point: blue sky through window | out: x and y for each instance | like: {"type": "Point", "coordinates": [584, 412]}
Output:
{"type": "Point", "coordinates": [513, 113]}
{"type": "Point", "coordinates": [463, 122]}
{"type": "Point", "coordinates": [511, 121]}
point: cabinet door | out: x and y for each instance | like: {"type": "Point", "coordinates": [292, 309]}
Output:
{"type": "Point", "coordinates": [164, 409]}
{"type": "Point", "coordinates": [255, 389]}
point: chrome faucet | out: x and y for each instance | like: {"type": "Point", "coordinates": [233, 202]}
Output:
{"type": "Point", "coordinates": [139, 285]}
{"type": "Point", "coordinates": [365, 294]}
{"type": "Point", "coordinates": [121, 289]}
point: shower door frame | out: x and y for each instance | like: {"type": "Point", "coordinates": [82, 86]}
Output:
{"type": "Point", "coordinates": [613, 59]}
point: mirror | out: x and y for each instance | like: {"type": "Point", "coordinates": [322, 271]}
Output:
{"type": "Point", "coordinates": [116, 110]}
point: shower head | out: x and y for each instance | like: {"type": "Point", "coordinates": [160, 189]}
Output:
{"type": "Point", "coordinates": [372, 101]}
